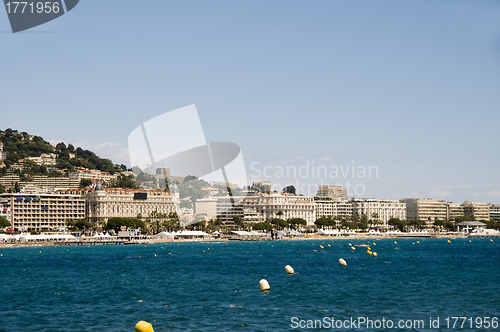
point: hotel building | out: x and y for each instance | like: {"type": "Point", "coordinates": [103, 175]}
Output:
{"type": "Point", "coordinates": [381, 210]}
{"type": "Point", "coordinates": [42, 211]}
{"type": "Point", "coordinates": [102, 204]}
{"type": "Point", "coordinates": [479, 211]}
{"type": "Point", "coordinates": [425, 209]}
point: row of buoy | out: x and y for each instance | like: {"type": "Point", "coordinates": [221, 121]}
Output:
{"type": "Point", "coordinates": [264, 284]}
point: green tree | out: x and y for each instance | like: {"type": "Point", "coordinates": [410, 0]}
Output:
{"type": "Point", "coordinates": [323, 222]}
{"type": "Point", "coordinates": [295, 222]}
{"type": "Point", "coordinates": [116, 223]}
{"type": "Point", "coordinates": [84, 183]}
{"type": "Point", "coordinates": [262, 226]}
{"type": "Point", "coordinates": [280, 223]}
{"type": "Point", "coordinates": [4, 222]}
{"type": "Point", "coordinates": [289, 190]}
{"type": "Point", "coordinates": [398, 223]}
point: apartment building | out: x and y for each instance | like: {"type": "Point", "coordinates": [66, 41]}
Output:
{"type": "Point", "coordinates": [96, 176]}
{"type": "Point", "coordinates": [331, 208]}
{"type": "Point", "coordinates": [259, 207]}
{"type": "Point", "coordinates": [43, 181]}
{"type": "Point", "coordinates": [479, 211]}
{"type": "Point", "coordinates": [327, 191]}
{"type": "Point", "coordinates": [425, 209]}
{"type": "Point", "coordinates": [454, 210]}
{"type": "Point", "coordinates": [45, 211]}
{"type": "Point", "coordinates": [494, 212]}
{"type": "Point", "coordinates": [380, 210]}
{"type": "Point", "coordinates": [8, 181]}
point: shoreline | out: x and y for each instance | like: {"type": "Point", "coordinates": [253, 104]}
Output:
{"type": "Point", "coordinates": [155, 241]}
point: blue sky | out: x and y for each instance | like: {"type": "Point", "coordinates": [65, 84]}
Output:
{"type": "Point", "coordinates": [410, 87]}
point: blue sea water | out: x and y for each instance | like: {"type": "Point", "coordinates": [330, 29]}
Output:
{"type": "Point", "coordinates": [203, 286]}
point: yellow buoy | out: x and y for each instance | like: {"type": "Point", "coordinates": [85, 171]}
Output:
{"type": "Point", "coordinates": [374, 244]}
{"type": "Point", "coordinates": [353, 248]}
{"type": "Point", "coordinates": [329, 245]}
{"type": "Point", "coordinates": [264, 285]}
{"type": "Point", "coordinates": [342, 262]}
{"type": "Point", "coordinates": [143, 326]}
{"type": "Point", "coordinates": [322, 247]}
{"type": "Point", "coordinates": [418, 242]}
{"type": "Point", "coordinates": [449, 241]}
{"type": "Point", "coordinates": [491, 240]}
{"type": "Point", "coordinates": [289, 269]}
{"type": "Point", "coordinates": [368, 248]}
{"type": "Point", "coordinates": [369, 252]}
{"type": "Point", "coordinates": [375, 254]}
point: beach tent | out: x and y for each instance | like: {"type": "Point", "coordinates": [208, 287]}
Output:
{"type": "Point", "coordinates": [327, 232]}
{"type": "Point", "coordinates": [164, 235]}
{"type": "Point", "coordinates": [257, 233]}
{"type": "Point", "coordinates": [187, 234]}
{"type": "Point", "coordinates": [242, 233]}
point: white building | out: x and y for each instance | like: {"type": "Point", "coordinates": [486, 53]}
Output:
{"type": "Point", "coordinates": [260, 207]}
{"type": "Point", "coordinates": [41, 211]}
{"type": "Point", "coordinates": [380, 210]}
{"type": "Point", "coordinates": [494, 212]}
{"type": "Point", "coordinates": [479, 211]}
{"type": "Point", "coordinates": [425, 209]}
{"type": "Point", "coordinates": [2, 155]}
{"type": "Point", "coordinates": [94, 175]}
{"type": "Point", "coordinates": [102, 204]}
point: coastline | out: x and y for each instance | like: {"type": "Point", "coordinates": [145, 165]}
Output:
{"type": "Point", "coordinates": [155, 241]}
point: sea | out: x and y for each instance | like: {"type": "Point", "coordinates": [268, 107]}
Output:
{"type": "Point", "coordinates": [412, 285]}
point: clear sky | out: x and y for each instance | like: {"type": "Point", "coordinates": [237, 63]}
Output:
{"type": "Point", "coordinates": [410, 88]}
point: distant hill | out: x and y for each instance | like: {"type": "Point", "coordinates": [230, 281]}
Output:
{"type": "Point", "coordinates": [21, 145]}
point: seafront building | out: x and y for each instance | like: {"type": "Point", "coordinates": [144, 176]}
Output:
{"type": "Point", "coordinates": [102, 204]}
{"type": "Point", "coordinates": [478, 211]}
{"type": "Point", "coordinates": [425, 209]}
{"type": "Point", "coordinates": [45, 211]}
{"type": "Point", "coordinates": [258, 207]}
{"type": "Point", "coordinates": [379, 211]}
{"type": "Point", "coordinates": [454, 210]}
{"type": "Point", "coordinates": [326, 207]}
{"type": "Point", "coordinates": [494, 211]}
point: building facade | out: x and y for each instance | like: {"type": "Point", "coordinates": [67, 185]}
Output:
{"type": "Point", "coordinates": [93, 175]}
{"type": "Point", "coordinates": [102, 204]}
{"type": "Point", "coordinates": [379, 210]}
{"type": "Point", "coordinates": [454, 210]}
{"type": "Point", "coordinates": [332, 192]}
{"type": "Point", "coordinates": [494, 212]}
{"type": "Point", "coordinates": [425, 209]}
{"type": "Point", "coordinates": [45, 211]}
{"type": "Point", "coordinates": [478, 211]}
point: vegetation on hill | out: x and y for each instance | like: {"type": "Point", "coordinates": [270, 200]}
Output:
{"type": "Point", "coordinates": [21, 145]}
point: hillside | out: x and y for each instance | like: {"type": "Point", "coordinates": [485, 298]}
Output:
{"type": "Point", "coordinates": [19, 146]}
